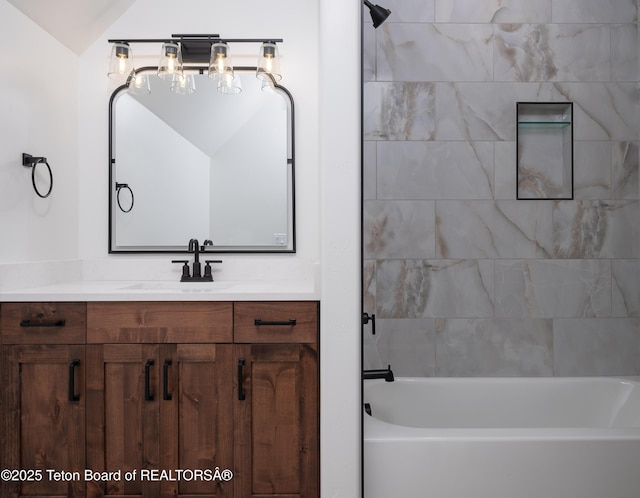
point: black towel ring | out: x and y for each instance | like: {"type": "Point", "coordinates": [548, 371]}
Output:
{"type": "Point", "coordinates": [32, 162]}
{"type": "Point", "coordinates": [119, 187]}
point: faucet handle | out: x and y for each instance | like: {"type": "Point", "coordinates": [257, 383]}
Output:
{"type": "Point", "coordinates": [185, 267]}
{"type": "Point", "coordinates": [207, 268]}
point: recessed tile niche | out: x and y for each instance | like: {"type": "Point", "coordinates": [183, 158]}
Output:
{"type": "Point", "coordinates": [544, 143]}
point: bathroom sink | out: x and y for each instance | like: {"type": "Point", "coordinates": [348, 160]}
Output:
{"type": "Point", "coordinates": [171, 286]}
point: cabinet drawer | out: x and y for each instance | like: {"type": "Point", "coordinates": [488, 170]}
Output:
{"type": "Point", "coordinates": [276, 322]}
{"type": "Point", "coordinates": [43, 323]}
{"type": "Point", "coordinates": [159, 322]}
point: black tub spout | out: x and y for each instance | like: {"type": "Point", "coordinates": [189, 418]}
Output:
{"type": "Point", "coordinates": [383, 373]}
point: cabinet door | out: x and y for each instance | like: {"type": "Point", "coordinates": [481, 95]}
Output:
{"type": "Point", "coordinates": [123, 418]}
{"type": "Point", "coordinates": [276, 412]}
{"type": "Point", "coordinates": [42, 414]}
{"type": "Point", "coordinates": [197, 418]}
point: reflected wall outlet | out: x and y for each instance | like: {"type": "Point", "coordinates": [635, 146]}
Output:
{"type": "Point", "coordinates": [279, 239]}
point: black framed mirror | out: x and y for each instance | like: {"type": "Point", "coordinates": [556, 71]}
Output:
{"type": "Point", "coordinates": [207, 165]}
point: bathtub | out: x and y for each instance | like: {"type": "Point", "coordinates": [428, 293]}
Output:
{"type": "Point", "coordinates": [502, 438]}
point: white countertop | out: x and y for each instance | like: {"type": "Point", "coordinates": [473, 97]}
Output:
{"type": "Point", "coordinates": [165, 290]}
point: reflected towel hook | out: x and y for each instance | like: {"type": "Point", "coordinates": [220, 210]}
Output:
{"type": "Point", "coordinates": [32, 162]}
{"type": "Point", "coordinates": [119, 187]}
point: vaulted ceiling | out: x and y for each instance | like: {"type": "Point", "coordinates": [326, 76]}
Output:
{"type": "Point", "coordinates": [75, 23]}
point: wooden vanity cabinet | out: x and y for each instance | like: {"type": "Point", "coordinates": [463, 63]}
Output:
{"type": "Point", "coordinates": [162, 387]}
{"type": "Point", "coordinates": [42, 397]}
{"type": "Point", "coordinates": [159, 391]}
{"type": "Point", "coordinates": [276, 432]}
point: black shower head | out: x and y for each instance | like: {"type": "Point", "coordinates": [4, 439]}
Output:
{"type": "Point", "coordinates": [378, 14]}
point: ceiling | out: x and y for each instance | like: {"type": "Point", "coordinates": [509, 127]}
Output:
{"type": "Point", "coordinates": [75, 23]}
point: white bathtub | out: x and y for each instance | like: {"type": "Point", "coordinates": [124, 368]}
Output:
{"type": "Point", "coordinates": [502, 438]}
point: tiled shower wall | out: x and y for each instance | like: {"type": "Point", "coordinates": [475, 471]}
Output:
{"type": "Point", "coordinates": [464, 279]}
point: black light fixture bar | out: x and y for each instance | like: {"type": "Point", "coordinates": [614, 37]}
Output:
{"type": "Point", "coordinates": [196, 48]}
{"type": "Point", "coordinates": [187, 38]}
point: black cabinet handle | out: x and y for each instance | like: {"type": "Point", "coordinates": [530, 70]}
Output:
{"type": "Point", "coordinates": [29, 323]}
{"type": "Point", "coordinates": [241, 394]}
{"type": "Point", "coordinates": [147, 390]}
{"type": "Point", "coordinates": [165, 380]}
{"type": "Point", "coordinates": [72, 380]}
{"type": "Point", "coordinates": [258, 322]}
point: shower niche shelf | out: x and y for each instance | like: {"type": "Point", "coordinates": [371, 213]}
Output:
{"type": "Point", "coordinates": [544, 144]}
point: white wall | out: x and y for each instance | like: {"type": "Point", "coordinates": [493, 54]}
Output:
{"type": "Point", "coordinates": [38, 115]}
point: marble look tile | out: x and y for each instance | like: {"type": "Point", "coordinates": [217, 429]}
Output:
{"type": "Point", "coordinates": [408, 345]}
{"type": "Point", "coordinates": [403, 11]}
{"type": "Point", "coordinates": [594, 11]}
{"type": "Point", "coordinates": [434, 288]}
{"type": "Point", "coordinates": [369, 165]}
{"type": "Point", "coordinates": [592, 170]}
{"type": "Point", "coordinates": [369, 46]}
{"type": "Point", "coordinates": [399, 229]}
{"type": "Point", "coordinates": [624, 165]}
{"type": "Point", "coordinates": [435, 170]}
{"type": "Point", "coordinates": [399, 111]}
{"type": "Point", "coordinates": [495, 347]}
{"type": "Point", "coordinates": [488, 229]}
{"type": "Point", "coordinates": [625, 282]}
{"type": "Point", "coordinates": [553, 288]}
{"type": "Point", "coordinates": [483, 111]}
{"type": "Point", "coordinates": [493, 11]}
{"type": "Point", "coordinates": [552, 52]}
{"type": "Point", "coordinates": [369, 286]}
{"type": "Point", "coordinates": [486, 111]}
{"type": "Point", "coordinates": [596, 229]}
{"type": "Point", "coordinates": [415, 52]}
{"type": "Point", "coordinates": [625, 65]}
{"type": "Point", "coordinates": [607, 346]}
{"type": "Point", "coordinates": [603, 111]}
{"type": "Point", "coordinates": [505, 170]}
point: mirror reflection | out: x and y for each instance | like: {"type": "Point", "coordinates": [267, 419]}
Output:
{"type": "Point", "coordinates": [202, 164]}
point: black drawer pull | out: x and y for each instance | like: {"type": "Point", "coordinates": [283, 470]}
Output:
{"type": "Point", "coordinates": [29, 323]}
{"type": "Point", "coordinates": [241, 394]}
{"type": "Point", "coordinates": [147, 389]}
{"type": "Point", "coordinates": [258, 322]}
{"type": "Point", "coordinates": [72, 384]}
{"type": "Point", "coordinates": [165, 380]}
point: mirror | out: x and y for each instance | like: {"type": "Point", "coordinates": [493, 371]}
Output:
{"type": "Point", "coordinates": [211, 166]}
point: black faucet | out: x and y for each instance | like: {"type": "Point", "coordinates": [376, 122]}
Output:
{"type": "Point", "coordinates": [385, 374]}
{"type": "Point", "coordinates": [194, 247]}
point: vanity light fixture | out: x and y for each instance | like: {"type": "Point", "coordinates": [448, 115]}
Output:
{"type": "Point", "coordinates": [121, 62]}
{"type": "Point", "coordinates": [378, 14]}
{"type": "Point", "coordinates": [220, 63]}
{"type": "Point", "coordinates": [269, 61]}
{"type": "Point", "coordinates": [194, 53]}
{"type": "Point", "coordinates": [170, 66]}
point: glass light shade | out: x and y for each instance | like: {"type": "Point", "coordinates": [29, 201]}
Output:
{"type": "Point", "coordinates": [229, 84]}
{"type": "Point", "coordinates": [185, 86]}
{"type": "Point", "coordinates": [121, 62]}
{"type": "Point", "coordinates": [139, 84]}
{"type": "Point", "coordinates": [269, 61]}
{"type": "Point", "coordinates": [170, 65]}
{"type": "Point", "coordinates": [220, 62]}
